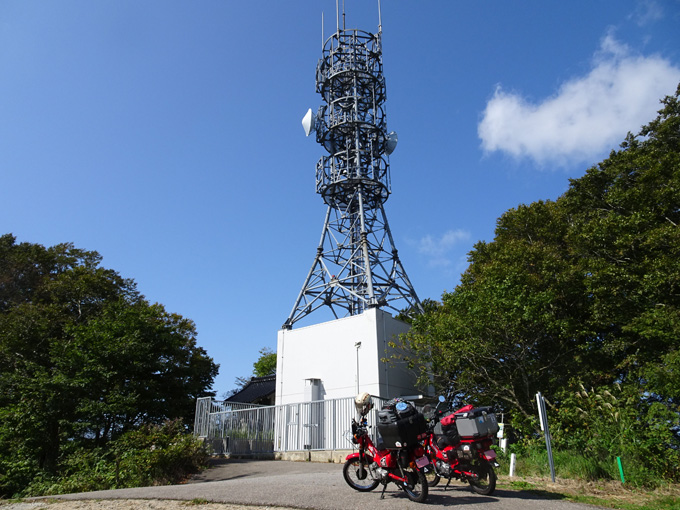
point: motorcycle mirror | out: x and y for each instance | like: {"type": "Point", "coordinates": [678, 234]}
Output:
{"type": "Point", "coordinates": [441, 398]}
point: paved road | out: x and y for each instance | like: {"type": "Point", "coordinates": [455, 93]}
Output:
{"type": "Point", "coordinates": [317, 486]}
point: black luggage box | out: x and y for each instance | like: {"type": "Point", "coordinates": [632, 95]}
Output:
{"type": "Point", "coordinates": [399, 432]}
{"type": "Point", "coordinates": [479, 422]}
{"type": "Point", "coordinates": [446, 435]}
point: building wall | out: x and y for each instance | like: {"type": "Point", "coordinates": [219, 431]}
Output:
{"type": "Point", "coordinates": [321, 361]}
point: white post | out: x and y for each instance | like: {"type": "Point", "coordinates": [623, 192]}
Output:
{"type": "Point", "coordinates": [503, 443]}
{"type": "Point", "coordinates": [513, 458]}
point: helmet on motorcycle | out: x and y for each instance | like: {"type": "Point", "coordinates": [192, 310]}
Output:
{"type": "Point", "coordinates": [363, 403]}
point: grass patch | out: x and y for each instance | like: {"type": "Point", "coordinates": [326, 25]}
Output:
{"type": "Point", "coordinates": [604, 493]}
{"type": "Point", "coordinates": [521, 485]}
{"type": "Point", "coordinates": [663, 503]}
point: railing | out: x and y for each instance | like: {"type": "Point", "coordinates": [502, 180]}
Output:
{"type": "Point", "coordinates": [245, 428]}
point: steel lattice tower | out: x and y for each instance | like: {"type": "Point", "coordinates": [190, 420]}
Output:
{"type": "Point", "coordinates": [356, 265]}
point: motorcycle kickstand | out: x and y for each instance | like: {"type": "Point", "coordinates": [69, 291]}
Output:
{"type": "Point", "coordinates": [447, 484]}
{"type": "Point", "coordinates": [382, 494]}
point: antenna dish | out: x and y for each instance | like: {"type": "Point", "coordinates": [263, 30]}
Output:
{"type": "Point", "coordinates": [390, 142]}
{"type": "Point", "coordinates": [308, 122]}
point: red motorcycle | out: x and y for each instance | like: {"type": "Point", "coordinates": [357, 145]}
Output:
{"type": "Point", "coordinates": [459, 446]}
{"type": "Point", "coordinates": [401, 459]}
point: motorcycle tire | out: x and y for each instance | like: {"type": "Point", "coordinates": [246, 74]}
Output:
{"type": "Point", "coordinates": [432, 478]}
{"type": "Point", "coordinates": [485, 483]}
{"type": "Point", "coordinates": [358, 476]}
{"type": "Point", "coordinates": [416, 490]}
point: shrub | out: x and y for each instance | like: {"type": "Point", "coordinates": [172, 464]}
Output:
{"type": "Point", "coordinates": [151, 455]}
{"type": "Point", "coordinates": [590, 428]}
{"type": "Point", "coordinates": [158, 455]}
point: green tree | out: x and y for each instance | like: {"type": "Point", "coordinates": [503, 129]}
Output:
{"type": "Point", "coordinates": [625, 235]}
{"type": "Point", "coordinates": [265, 364]}
{"type": "Point", "coordinates": [586, 287]}
{"type": "Point", "coordinates": [512, 326]}
{"type": "Point", "coordinates": [83, 357]}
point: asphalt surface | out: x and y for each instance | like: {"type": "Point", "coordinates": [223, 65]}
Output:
{"type": "Point", "coordinates": [318, 486]}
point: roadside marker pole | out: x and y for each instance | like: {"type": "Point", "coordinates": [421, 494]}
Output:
{"type": "Point", "coordinates": [618, 460]}
{"type": "Point", "coordinates": [543, 419]}
{"type": "Point", "coordinates": [513, 458]}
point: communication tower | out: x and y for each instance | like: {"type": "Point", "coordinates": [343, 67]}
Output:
{"type": "Point", "coordinates": [356, 266]}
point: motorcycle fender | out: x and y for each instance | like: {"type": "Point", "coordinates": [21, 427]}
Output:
{"type": "Point", "coordinates": [357, 455]}
{"type": "Point", "coordinates": [490, 455]}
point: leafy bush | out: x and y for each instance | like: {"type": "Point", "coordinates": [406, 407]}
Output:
{"type": "Point", "coordinates": [158, 455]}
{"type": "Point", "coordinates": [152, 455]}
{"type": "Point", "coordinates": [620, 421]}
{"type": "Point", "coordinates": [590, 428]}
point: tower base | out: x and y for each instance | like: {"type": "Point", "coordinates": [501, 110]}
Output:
{"type": "Point", "coordinates": [342, 358]}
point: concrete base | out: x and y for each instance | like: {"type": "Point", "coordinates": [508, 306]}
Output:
{"type": "Point", "coordinates": [329, 456]}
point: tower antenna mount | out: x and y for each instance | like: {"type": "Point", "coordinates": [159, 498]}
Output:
{"type": "Point", "coordinates": [357, 265]}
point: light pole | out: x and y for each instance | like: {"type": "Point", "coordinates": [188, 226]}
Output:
{"type": "Point", "coordinates": [358, 346]}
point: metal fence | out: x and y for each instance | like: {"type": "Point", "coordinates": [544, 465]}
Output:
{"type": "Point", "coordinates": [245, 428]}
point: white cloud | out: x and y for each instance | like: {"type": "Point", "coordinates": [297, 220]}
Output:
{"type": "Point", "coordinates": [438, 249]}
{"type": "Point", "coordinates": [588, 115]}
{"type": "Point", "coordinates": [647, 12]}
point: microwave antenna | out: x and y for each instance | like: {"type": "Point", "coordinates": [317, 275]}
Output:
{"type": "Point", "coordinates": [357, 265]}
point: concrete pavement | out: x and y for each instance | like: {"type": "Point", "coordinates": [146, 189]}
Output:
{"type": "Point", "coordinates": [318, 486]}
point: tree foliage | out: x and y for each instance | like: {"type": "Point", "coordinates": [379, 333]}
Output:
{"type": "Point", "coordinates": [265, 364]}
{"type": "Point", "coordinates": [84, 358]}
{"type": "Point", "coordinates": [582, 289]}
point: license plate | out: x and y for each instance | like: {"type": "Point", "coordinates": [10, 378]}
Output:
{"type": "Point", "coordinates": [490, 454]}
{"type": "Point", "coordinates": [423, 461]}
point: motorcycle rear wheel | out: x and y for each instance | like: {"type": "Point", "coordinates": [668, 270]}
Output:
{"type": "Point", "coordinates": [416, 490]}
{"type": "Point", "coordinates": [357, 476]}
{"type": "Point", "coordinates": [485, 483]}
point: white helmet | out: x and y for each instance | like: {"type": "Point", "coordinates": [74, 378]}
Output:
{"type": "Point", "coordinates": [363, 403]}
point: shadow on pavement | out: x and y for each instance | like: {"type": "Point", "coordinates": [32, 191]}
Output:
{"type": "Point", "coordinates": [228, 469]}
{"type": "Point", "coordinates": [461, 495]}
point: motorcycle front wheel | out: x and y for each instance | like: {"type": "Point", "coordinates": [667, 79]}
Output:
{"type": "Point", "coordinates": [358, 476]}
{"type": "Point", "coordinates": [416, 489]}
{"type": "Point", "coordinates": [485, 483]}
{"type": "Point", "coordinates": [432, 478]}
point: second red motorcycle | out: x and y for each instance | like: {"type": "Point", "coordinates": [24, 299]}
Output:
{"type": "Point", "coordinates": [459, 446]}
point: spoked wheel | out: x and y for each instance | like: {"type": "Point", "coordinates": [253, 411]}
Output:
{"type": "Point", "coordinates": [358, 476]}
{"type": "Point", "coordinates": [486, 482]}
{"type": "Point", "coordinates": [416, 490]}
{"type": "Point", "coordinates": [432, 478]}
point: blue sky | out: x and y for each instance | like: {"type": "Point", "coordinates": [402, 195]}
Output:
{"type": "Point", "coordinates": [166, 134]}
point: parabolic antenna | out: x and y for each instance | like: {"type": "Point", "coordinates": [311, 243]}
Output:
{"type": "Point", "coordinates": [390, 142]}
{"type": "Point", "coordinates": [308, 122]}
